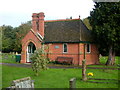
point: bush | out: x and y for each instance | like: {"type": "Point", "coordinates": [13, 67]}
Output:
{"type": "Point", "coordinates": [39, 60]}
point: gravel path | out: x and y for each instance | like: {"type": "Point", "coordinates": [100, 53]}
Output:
{"type": "Point", "coordinates": [64, 67]}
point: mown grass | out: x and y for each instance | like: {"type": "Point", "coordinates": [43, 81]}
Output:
{"type": "Point", "coordinates": [0, 76]}
{"type": "Point", "coordinates": [8, 58]}
{"type": "Point", "coordinates": [11, 58]}
{"type": "Point", "coordinates": [103, 61]}
{"type": "Point", "coordinates": [57, 78]}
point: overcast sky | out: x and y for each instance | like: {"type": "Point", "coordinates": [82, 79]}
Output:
{"type": "Point", "coordinates": [15, 12]}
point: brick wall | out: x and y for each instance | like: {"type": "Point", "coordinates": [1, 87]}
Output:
{"type": "Point", "coordinates": [30, 37]}
{"type": "Point", "coordinates": [75, 51]}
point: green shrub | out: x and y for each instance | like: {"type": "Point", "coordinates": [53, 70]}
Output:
{"type": "Point", "coordinates": [39, 60]}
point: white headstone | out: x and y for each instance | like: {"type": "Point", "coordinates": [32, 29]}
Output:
{"type": "Point", "coordinates": [23, 83]}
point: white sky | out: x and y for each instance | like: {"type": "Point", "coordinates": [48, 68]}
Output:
{"type": "Point", "coordinates": [15, 12]}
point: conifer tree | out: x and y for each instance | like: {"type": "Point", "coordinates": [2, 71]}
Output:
{"type": "Point", "coordinates": [105, 24]}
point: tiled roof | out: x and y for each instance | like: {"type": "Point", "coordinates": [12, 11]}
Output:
{"type": "Point", "coordinates": [71, 30]}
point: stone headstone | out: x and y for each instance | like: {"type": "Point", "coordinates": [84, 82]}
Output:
{"type": "Point", "coordinates": [72, 83]}
{"type": "Point", "coordinates": [23, 83]}
{"type": "Point", "coordinates": [5, 57]}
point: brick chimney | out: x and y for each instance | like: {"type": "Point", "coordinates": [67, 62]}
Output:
{"type": "Point", "coordinates": [38, 23]}
{"type": "Point", "coordinates": [34, 19]}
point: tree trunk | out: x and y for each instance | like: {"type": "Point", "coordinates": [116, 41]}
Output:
{"type": "Point", "coordinates": [36, 73]}
{"type": "Point", "coordinates": [84, 78]}
{"type": "Point", "coordinates": [111, 56]}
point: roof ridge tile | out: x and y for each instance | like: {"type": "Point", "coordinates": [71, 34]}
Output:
{"type": "Point", "coordinates": [61, 20]}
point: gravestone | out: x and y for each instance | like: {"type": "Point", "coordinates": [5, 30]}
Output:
{"type": "Point", "coordinates": [22, 83]}
{"type": "Point", "coordinates": [72, 83]}
{"type": "Point", "coordinates": [6, 57]}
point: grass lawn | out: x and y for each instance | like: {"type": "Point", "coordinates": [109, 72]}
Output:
{"type": "Point", "coordinates": [103, 60]}
{"type": "Point", "coordinates": [10, 58]}
{"type": "Point", "coordinates": [58, 78]}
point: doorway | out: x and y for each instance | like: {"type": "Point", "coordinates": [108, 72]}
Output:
{"type": "Point", "coordinates": [30, 50]}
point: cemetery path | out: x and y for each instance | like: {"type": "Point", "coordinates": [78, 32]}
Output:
{"type": "Point", "coordinates": [53, 66]}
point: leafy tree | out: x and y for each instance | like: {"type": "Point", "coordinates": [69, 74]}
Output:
{"type": "Point", "coordinates": [8, 37]}
{"type": "Point", "coordinates": [102, 49]}
{"type": "Point", "coordinates": [11, 37]}
{"type": "Point", "coordinates": [39, 60]}
{"type": "Point", "coordinates": [105, 24]}
{"type": "Point", "coordinates": [21, 31]}
{"type": "Point", "coordinates": [87, 23]}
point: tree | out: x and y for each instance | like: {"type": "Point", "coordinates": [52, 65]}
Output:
{"type": "Point", "coordinates": [11, 37]}
{"type": "Point", "coordinates": [105, 24]}
{"type": "Point", "coordinates": [39, 60]}
{"type": "Point", "coordinates": [87, 23]}
{"type": "Point", "coordinates": [8, 36]}
{"type": "Point", "coordinates": [21, 31]}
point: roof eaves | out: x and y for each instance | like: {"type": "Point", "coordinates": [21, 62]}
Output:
{"type": "Point", "coordinates": [39, 36]}
{"type": "Point", "coordinates": [47, 42]}
{"type": "Point", "coordinates": [36, 35]}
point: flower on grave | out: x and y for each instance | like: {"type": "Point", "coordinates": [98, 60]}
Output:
{"type": "Point", "coordinates": [90, 74]}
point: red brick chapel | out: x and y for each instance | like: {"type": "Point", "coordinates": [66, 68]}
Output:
{"type": "Point", "coordinates": [66, 39]}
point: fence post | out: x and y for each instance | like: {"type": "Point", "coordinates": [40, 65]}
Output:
{"type": "Point", "coordinates": [72, 83]}
{"type": "Point", "coordinates": [84, 78]}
